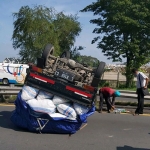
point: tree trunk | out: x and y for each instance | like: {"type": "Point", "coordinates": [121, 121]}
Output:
{"type": "Point", "coordinates": [129, 76]}
{"type": "Point", "coordinates": [129, 65]}
{"type": "Point", "coordinates": [129, 80]}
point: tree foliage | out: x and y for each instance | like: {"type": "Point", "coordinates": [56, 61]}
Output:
{"type": "Point", "coordinates": [35, 27]}
{"type": "Point", "coordinates": [83, 59]}
{"type": "Point", "coordinates": [67, 28]}
{"type": "Point", "coordinates": [75, 54]}
{"type": "Point", "coordinates": [88, 60]}
{"type": "Point", "coordinates": [123, 28]}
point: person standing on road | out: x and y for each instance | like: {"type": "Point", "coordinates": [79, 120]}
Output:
{"type": "Point", "coordinates": [107, 93]}
{"type": "Point", "coordinates": [142, 82]}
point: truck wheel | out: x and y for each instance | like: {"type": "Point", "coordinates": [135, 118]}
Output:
{"type": "Point", "coordinates": [100, 70]}
{"type": "Point", "coordinates": [98, 73]}
{"type": "Point", "coordinates": [48, 50]}
{"type": "Point", "coordinates": [65, 54]}
{"type": "Point", "coordinates": [5, 81]}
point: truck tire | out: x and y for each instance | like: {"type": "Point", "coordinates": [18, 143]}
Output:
{"type": "Point", "coordinates": [65, 54]}
{"type": "Point", "coordinates": [98, 73]}
{"type": "Point", "coordinates": [48, 50]}
{"type": "Point", "coordinates": [5, 81]}
{"type": "Point", "coordinates": [100, 70]}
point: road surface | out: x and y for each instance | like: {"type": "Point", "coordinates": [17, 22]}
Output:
{"type": "Point", "coordinates": [103, 132]}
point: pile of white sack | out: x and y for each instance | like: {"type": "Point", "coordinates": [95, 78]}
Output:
{"type": "Point", "coordinates": [55, 106]}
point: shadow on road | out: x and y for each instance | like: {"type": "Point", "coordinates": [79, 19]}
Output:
{"type": "Point", "coordinates": [5, 121]}
{"type": "Point", "coordinates": [130, 148]}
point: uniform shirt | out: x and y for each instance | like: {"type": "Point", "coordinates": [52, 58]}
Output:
{"type": "Point", "coordinates": [141, 77]}
{"type": "Point", "coordinates": [107, 91]}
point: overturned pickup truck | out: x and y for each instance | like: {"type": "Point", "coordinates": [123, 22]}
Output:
{"type": "Point", "coordinates": [58, 94]}
{"type": "Point", "coordinates": [64, 77]}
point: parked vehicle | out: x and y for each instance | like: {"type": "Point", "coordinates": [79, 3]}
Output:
{"type": "Point", "coordinates": [64, 77]}
{"type": "Point", "coordinates": [11, 73]}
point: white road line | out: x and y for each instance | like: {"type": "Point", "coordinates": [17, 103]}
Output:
{"type": "Point", "coordinates": [127, 129]}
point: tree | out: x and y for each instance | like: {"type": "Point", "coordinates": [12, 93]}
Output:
{"type": "Point", "coordinates": [35, 27]}
{"type": "Point", "coordinates": [124, 31]}
{"type": "Point", "coordinates": [67, 28]}
{"type": "Point", "coordinates": [88, 60]}
{"type": "Point", "coordinates": [75, 54]}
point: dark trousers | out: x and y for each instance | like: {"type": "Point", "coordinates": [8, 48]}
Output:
{"type": "Point", "coordinates": [107, 100]}
{"type": "Point", "coordinates": [140, 105]}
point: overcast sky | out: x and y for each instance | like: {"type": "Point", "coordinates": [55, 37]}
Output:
{"type": "Point", "coordinates": [7, 7]}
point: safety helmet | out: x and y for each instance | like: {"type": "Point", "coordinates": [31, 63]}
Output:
{"type": "Point", "coordinates": [117, 93]}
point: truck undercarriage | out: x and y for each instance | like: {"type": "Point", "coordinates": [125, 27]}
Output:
{"type": "Point", "coordinates": [65, 77]}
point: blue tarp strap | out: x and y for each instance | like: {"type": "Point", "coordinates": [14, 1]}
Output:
{"type": "Point", "coordinates": [41, 127]}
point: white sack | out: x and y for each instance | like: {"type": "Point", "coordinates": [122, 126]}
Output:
{"type": "Point", "coordinates": [59, 100]}
{"type": "Point", "coordinates": [80, 109]}
{"type": "Point", "coordinates": [44, 106]}
{"type": "Point", "coordinates": [44, 95]}
{"type": "Point", "coordinates": [59, 115]}
{"type": "Point", "coordinates": [67, 110]}
{"type": "Point", "coordinates": [28, 92]}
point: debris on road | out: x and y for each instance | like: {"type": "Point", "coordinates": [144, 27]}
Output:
{"type": "Point", "coordinates": [120, 110]}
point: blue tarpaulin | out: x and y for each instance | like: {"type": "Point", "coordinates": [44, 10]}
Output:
{"type": "Point", "coordinates": [24, 117]}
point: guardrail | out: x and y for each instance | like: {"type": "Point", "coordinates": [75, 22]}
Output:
{"type": "Point", "coordinates": [132, 94]}
{"type": "Point", "coordinates": [9, 89]}
{"type": "Point", "coordinates": [128, 94]}
{"type": "Point", "coordinates": [14, 90]}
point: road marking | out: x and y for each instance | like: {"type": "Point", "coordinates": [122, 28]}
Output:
{"type": "Point", "coordinates": [145, 114]}
{"type": "Point", "coordinates": [127, 129]}
{"type": "Point", "coordinates": [7, 105]}
{"type": "Point", "coordinates": [110, 136]}
{"type": "Point", "coordinates": [136, 115]}
{"type": "Point", "coordinates": [125, 114]}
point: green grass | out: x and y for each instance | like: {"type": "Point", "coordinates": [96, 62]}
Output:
{"type": "Point", "coordinates": [128, 89]}
{"type": "Point", "coordinates": [8, 98]}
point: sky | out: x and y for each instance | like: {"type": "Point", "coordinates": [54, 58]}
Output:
{"type": "Point", "coordinates": [7, 7]}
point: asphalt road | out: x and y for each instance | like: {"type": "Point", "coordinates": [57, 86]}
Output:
{"type": "Point", "coordinates": [103, 132]}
